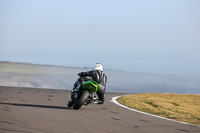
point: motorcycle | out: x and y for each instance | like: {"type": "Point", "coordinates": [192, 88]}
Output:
{"type": "Point", "coordinates": [83, 93]}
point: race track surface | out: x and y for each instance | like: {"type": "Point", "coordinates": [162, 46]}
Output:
{"type": "Point", "coordinates": [30, 110]}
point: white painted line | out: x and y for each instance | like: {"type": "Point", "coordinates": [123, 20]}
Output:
{"type": "Point", "coordinates": [114, 100]}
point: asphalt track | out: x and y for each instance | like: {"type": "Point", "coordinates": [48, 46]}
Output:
{"type": "Point", "coordinates": [30, 110]}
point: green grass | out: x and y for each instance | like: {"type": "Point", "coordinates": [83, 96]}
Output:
{"type": "Point", "coordinates": [181, 107]}
{"type": "Point", "coordinates": [18, 68]}
{"type": "Point", "coordinates": [30, 75]}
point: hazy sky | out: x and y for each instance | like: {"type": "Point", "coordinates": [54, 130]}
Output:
{"type": "Point", "coordinates": [161, 36]}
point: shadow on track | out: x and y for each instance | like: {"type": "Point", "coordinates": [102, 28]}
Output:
{"type": "Point", "coordinates": [38, 106]}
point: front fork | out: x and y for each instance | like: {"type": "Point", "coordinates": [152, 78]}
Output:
{"type": "Point", "coordinates": [75, 92]}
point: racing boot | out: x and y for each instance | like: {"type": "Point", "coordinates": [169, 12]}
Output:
{"type": "Point", "coordinates": [70, 103]}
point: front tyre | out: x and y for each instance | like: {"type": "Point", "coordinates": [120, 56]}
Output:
{"type": "Point", "coordinates": [85, 94]}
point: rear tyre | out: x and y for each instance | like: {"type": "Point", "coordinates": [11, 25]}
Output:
{"type": "Point", "coordinates": [77, 105]}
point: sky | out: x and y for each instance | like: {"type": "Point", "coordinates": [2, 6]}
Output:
{"type": "Point", "coordinates": [156, 36]}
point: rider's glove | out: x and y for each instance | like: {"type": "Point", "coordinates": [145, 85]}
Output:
{"type": "Point", "coordinates": [81, 74]}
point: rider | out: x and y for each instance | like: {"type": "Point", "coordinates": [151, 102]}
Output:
{"type": "Point", "coordinates": [98, 76]}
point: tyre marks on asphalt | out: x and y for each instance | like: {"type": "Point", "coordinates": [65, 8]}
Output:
{"type": "Point", "coordinates": [50, 97]}
{"type": "Point", "coordinates": [116, 119]}
{"type": "Point", "coordinates": [10, 130]}
{"type": "Point", "coordinates": [4, 108]}
{"type": "Point", "coordinates": [5, 122]}
{"type": "Point", "coordinates": [114, 112]}
{"type": "Point", "coordinates": [145, 120]}
{"type": "Point", "coordinates": [182, 130]}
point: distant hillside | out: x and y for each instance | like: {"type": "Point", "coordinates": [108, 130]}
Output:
{"type": "Point", "coordinates": [59, 77]}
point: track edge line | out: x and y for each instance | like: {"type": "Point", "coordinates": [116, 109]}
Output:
{"type": "Point", "coordinates": [114, 100]}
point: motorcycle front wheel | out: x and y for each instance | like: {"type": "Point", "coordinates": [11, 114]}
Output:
{"type": "Point", "coordinates": [85, 94]}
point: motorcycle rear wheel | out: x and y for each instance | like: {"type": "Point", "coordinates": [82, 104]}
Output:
{"type": "Point", "coordinates": [85, 94]}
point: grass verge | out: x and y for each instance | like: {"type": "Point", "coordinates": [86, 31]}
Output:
{"type": "Point", "coordinates": [181, 107]}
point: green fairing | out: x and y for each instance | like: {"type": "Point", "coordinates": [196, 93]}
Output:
{"type": "Point", "coordinates": [92, 86]}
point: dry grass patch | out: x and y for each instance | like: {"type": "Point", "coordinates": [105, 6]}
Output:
{"type": "Point", "coordinates": [181, 107]}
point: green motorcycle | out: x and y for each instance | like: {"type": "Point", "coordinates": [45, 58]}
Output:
{"type": "Point", "coordinates": [83, 94]}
